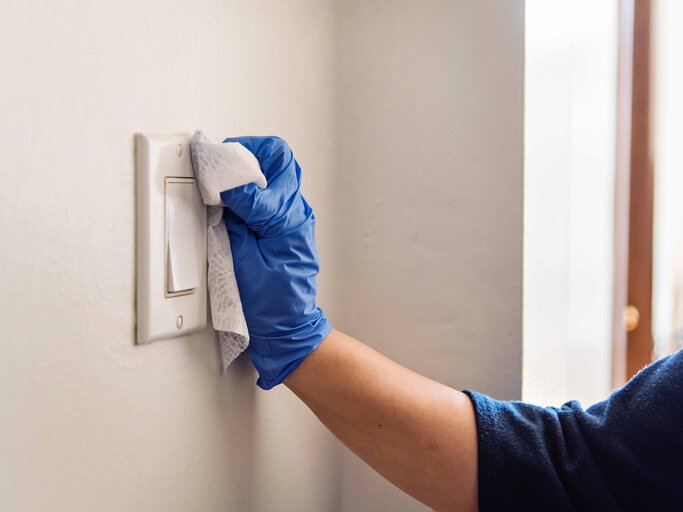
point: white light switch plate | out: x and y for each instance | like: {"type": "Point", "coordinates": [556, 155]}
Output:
{"type": "Point", "coordinates": [162, 315]}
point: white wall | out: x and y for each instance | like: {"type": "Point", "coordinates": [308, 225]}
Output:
{"type": "Point", "coordinates": [570, 105]}
{"type": "Point", "coordinates": [407, 119]}
{"type": "Point", "coordinates": [668, 236]}
{"type": "Point", "coordinates": [430, 197]}
{"type": "Point", "coordinates": [90, 421]}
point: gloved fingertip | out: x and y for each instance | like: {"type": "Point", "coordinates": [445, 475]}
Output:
{"type": "Point", "coordinates": [241, 199]}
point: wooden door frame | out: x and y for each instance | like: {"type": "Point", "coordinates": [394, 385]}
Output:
{"type": "Point", "coordinates": [634, 199]}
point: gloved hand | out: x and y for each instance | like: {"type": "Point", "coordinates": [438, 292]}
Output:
{"type": "Point", "coordinates": [271, 232]}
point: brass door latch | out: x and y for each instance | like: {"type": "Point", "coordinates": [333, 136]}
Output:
{"type": "Point", "coordinates": [631, 318]}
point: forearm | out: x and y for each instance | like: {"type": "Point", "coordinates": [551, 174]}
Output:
{"type": "Point", "coordinates": [417, 433]}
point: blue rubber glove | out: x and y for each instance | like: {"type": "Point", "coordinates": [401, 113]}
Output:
{"type": "Point", "coordinates": [273, 247]}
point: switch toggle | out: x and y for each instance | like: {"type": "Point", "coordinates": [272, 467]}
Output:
{"type": "Point", "coordinates": [182, 275]}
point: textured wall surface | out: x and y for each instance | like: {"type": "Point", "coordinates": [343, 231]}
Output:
{"type": "Point", "coordinates": [407, 121]}
{"type": "Point", "coordinates": [431, 176]}
{"type": "Point", "coordinates": [90, 421]}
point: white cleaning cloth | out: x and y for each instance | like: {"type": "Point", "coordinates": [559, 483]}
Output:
{"type": "Point", "coordinates": [220, 167]}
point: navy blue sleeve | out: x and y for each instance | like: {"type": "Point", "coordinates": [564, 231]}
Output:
{"type": "Point", "coordinates": [624, 454]}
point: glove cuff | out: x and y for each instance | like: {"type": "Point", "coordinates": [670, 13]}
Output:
{"type": "Point", "coordinates": [275, 358]}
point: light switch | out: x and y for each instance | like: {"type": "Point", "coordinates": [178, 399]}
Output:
{"type": "Point", "coordinates": [171, 266]}
{"type": "Point", "coordinates": [181, 250]}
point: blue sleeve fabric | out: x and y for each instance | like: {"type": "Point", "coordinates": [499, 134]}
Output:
{"type": "Point", "coordinates": [623, 454]}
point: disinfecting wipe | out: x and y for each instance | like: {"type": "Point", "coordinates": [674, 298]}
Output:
{"type": "Point", "coordinates": [219, 167]}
